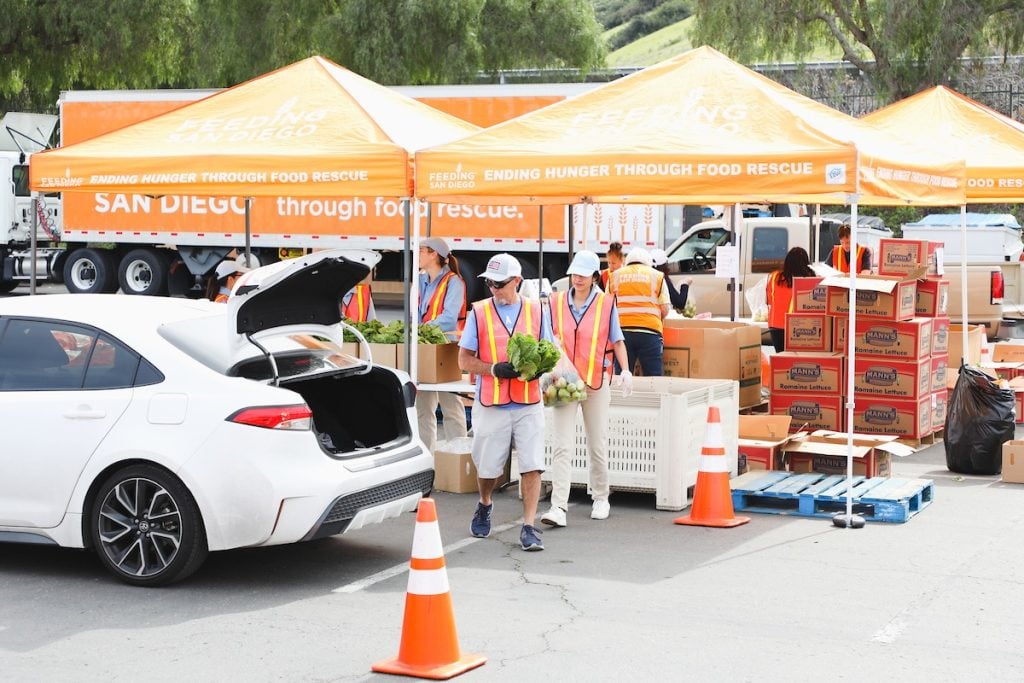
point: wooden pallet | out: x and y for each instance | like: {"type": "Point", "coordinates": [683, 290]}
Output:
{"type": "Point", "coordinates": [878, 499]}
{"type": "Point", "coordinates": [924, 441]}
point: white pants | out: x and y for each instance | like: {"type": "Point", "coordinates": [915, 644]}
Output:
{"type": "Point", "coordinates": [595, 421]}
{"type": "Point", "coordinates": [452, 410]}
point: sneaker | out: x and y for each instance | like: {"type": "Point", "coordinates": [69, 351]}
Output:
{"type": "Point", "coordinates": [600, 510]}
{"type": "Point", "coordinates": [529, 538]}
{"type": "Point", "coordinates": [481, 524]}
{"type": "Point", "coordinates": [554, 517]}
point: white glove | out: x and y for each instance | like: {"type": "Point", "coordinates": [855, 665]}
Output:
{"type": "Point", "coordinates": [625, 382]}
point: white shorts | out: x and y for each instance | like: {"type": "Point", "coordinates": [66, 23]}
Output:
{"type": "Point", "coordinates": [493, 432]}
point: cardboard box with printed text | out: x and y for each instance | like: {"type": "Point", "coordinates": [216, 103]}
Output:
{"type": "Point", "coordinates": [761, 438]}
{"type": "Point", "coordinates": [705, 349]}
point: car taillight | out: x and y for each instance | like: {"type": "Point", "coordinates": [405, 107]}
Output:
{"type": "Point", "coordinates": [996, 287]}
{"type": "Point", "coordinates": [295, 418]}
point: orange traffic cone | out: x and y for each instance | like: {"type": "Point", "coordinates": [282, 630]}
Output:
{"type": "Point", "coordinates": [429, 647]}
{"type": "Point", "coordinates": [712, 497]}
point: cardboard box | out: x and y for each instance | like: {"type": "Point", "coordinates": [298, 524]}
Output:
{"type": "Point", "coordinates": [1008, 352]}
{"type": "Point", "coordinates": [809, 295]}
{"type": "Point", "coordinates": [940, 399]}
{"type": "Point", "coordinates": [705, 349]}
{"type": "Point", "coordinates": [436, 363]}
{"type": "Point", "coordinates": [826, 451]}
{"type": "Point", "coordinates": [940, 335]}
{"type": "Point", "coordinates": [1013, 461]}
{"type": "Point", "coordinates": [877, 297]}
{"type": "Point", "coordinates": [454, 470]}
{"type": "Point", "coordinates": [1005, 371]}
{"type": "Point", "coordinates": [932, 297]}
{"type": "Point", "coordinates": [806, 372]}
{"type": "Point", "coordinates": [384, 354]}
{"type": "Point", "coordinates": [975, 335]}
{"type": "Point", "coordinates": [808, 332]}
{"type": "Point", "coordinates": [893, 378]}
{"type": "Point", "coordinates": [910, 418]}
{"type": "Point", "coordinates": [904, 340]}
{"type": "Point", "coordinates": [351, 348]}
{"type": "Point", "coordinates": [809, 411]}
{"type": "Point", "coordinates": [761, 438]}
{"type": "Point", "coordinates": [940, 371]}
{"type": "Point", "coordinates": [897, 257]}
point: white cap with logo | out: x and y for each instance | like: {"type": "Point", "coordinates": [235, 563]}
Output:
{"type": "Point", "coordinates": [658, 257]}
{"type": "Point", "coordinates": [501, 267]}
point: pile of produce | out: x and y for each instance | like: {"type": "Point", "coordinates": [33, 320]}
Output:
{"type": "Point", "coordinates": [393, 332]}
{"type": "Point", "coordinates": [559, 388]}
{"type": "Point", "coordinates": [531, 358]}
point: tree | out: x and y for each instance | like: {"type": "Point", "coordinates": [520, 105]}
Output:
{"type": "Point", "coordinates": [49, 45]}
{"type": "Point", "coordinates": [901, 47]}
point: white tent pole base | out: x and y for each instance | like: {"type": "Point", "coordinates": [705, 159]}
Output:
{"type": "Point", "coordinates": [847, 521]}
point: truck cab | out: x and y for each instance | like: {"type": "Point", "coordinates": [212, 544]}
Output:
{"type": "Point", "coordinates": [763, 244]}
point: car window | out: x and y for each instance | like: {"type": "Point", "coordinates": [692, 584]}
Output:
{"type": "Point", "coordinates": [40, 355]}
{"type": "Point", "coordinates": [769, 249]}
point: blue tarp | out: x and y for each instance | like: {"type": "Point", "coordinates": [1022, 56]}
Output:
{"type": "Point", "coordinates": [973, 220]}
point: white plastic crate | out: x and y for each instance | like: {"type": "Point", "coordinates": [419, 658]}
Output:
{"type": "Point", "coordinates": [655, 436]}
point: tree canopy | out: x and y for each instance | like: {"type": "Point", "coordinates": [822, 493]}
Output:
{"type": "Point", "coordinates": [901, 47]}
{"type": "Point", "coordinates": [51, 45]}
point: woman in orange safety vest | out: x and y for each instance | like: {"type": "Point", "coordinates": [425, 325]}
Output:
{"type": "Point", "coordinates": [357, 304]}
{"type": "Point", "coordinates": [585, 321]}
{"type": "Point", "coordinates": [442, 303]}
{"type": "Point", "coordinates": [839, 258]}
{"type": "Point", "coordinates": [780, 292]}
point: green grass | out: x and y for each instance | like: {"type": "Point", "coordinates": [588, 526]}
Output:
{"type": "Point", "coordinates": [672, 40]}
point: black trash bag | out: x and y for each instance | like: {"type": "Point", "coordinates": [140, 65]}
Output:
{"type": "Point", "coordinates": [979, 420]}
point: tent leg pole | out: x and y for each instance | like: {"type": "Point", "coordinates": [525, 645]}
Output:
{"type": "Point", "coordinates": [540, 251]}
{"type": "Point", "coordinates": [248, 232]}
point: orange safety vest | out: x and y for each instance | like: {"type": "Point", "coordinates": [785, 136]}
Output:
{"type": "Point", "coordinates": [636, 289]}
{"type": "Point", "coordinates": [780, 300]}
{"type": "Point", "coordinates": [492, 347]}
{"type": "Point", "coordinates": [839, 261]}
{"type": "Point", "coordinates": [585, 342]}
{"type": "Point", "coordinates": [358, 307]}
{"type": "Point", "coordinates": [606, 275]}
{"type": "Point", "coordinates": [436, 304]}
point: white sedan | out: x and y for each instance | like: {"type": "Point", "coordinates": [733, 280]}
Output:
{"type": "Point", "coordinates": [155, 430]}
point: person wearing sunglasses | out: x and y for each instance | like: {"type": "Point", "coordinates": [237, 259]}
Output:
{"type": "Point", "coordinates": [585, 321]}
{"type": "Point", "coordinates": [442, 303]}
{"type": "Point", "coordinates": [643, 302]}
{"type": "Point", "coordinates": [505, 407]}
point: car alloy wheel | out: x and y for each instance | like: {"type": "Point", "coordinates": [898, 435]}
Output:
{"type": "Point", "coordinates": [146, 527]}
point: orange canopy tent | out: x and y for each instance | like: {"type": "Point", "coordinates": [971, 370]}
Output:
{"type": "Point", "coordinates": [991, 144]}
{"type": "Point", "coordinates": [311, 129]}
{"type": "Point", "coordinates": [697, 128]}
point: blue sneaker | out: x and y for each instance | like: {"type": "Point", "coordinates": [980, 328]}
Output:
{"type": "Point", "coordinates": [481, 524]}
{"type": "Point", "coordinates": [529, 538]}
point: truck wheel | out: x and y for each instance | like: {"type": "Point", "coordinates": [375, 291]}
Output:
{"type": "Point", "coordinates": [90, 271]}
{"type": "Point", "coordinates": [144, 271]}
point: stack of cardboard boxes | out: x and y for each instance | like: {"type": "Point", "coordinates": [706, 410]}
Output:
{"type": "Point", "coordinates": [901, 348]}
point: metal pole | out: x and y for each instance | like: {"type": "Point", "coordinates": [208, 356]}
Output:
{"type": "Point", "coordinates": [248, 232]}
{"type": "Point", "coordinates": [34, 223]}
{"type": "Point", "coordinates": [408, 279]}
{"type": "Point", "coordinates": [963, 281]}
{"type": "Point", "coordinates": [540, 254]}
{"type": "Point", "coordinates": [734, 300]}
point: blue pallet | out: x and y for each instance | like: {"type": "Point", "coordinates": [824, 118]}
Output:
{"type": "Point", "coordinates": [878, 499]}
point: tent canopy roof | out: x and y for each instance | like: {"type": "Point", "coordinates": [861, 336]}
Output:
{"type": "Point", "coordinates": [696, 128]}
{"type": "Point", "coordinates": [309, 129]}
{"type": "Point", "coordinates": [991, 144]}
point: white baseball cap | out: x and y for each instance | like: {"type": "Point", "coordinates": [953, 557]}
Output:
{"type": "Point", "coordinates": [584, 263]}
{"type": "Point", "coordinates": [230, 267]}
{"type": "Point", "coordinates": [501, 267]}
{"type": "Point", "coordinates": [639, 255]}
{"type": "Point", "coordinates": [658, 257]}
{"type": "Point", "coordinates": [437, 244]}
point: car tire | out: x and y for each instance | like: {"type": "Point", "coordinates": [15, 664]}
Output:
{"type": "Point", "coordinates": [90, 271]}
{"type": "Point", "coordinates": [146, 527]}
{"type": "Point", "coordinates": [144, 272]}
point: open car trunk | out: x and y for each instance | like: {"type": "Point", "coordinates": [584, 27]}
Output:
{"type": "Point", "coordinates": [352, 413]}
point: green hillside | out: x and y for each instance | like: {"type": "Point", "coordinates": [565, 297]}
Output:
{"type": "Point", "coordinates": [654, 47]}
